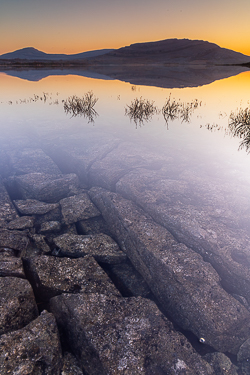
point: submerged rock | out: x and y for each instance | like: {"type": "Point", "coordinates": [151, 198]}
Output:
{"type": "Point", "coordinates": [124, 336]}
{"type": "Point", "coordinates": [102, 247]}
{"type": "Point", "coordinates": [17, 304]}
{"type": "Point", "coordinates": [243, 357]}
{"type": "Point", "coordinates": [7, 210]}
{"type": "Point", "coordinates": [51, 276]}
{"type": "Point", "coordinates": [93, 225]}
{"type": "Point", "coordinates": [11, 266]}
{"type": "Point", "coordinates": [126, 157]}
{"type": "Point", "coordinates": [70, 365]}
{"type": "Point", "coordinates": [34, 207]}
{"type": "Point", "coordinates": [128, 280]}
{"type": "Point", "coordinates": [34, 349]}
{"type": "Point", "coordinates": [78, 207]}
{"type": "Point", "coordinates": [13, 239]}
{"type": "Point", "coordinates": [81, 152]}
{"type": "Point", "coordinates": [30, 160]}
{"type": "Point", "coordinates": [221, 364]}
{"type": "Point", "coordinates": [200, 214]}
{"type": "Point", "coordinates": [50, 226]}
{"type": "Point", "coordinates": [24, 222]}
{"type": "Point", "coordinates": [187, 287]}
{"type": "Point", "coordinates": [46, 187]}
{"type": "Point", "coordinates": [39, 244]}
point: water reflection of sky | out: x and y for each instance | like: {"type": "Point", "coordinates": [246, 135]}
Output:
{"type": "Point", "coordinates": [204, 139]}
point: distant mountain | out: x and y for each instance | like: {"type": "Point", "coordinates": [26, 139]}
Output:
{"type": "Point", "coordinates": [174, 51]}
{"type": "Point", "coordinates": [169, 51]}
{"type": "Point", "coordinates": [33, 54]}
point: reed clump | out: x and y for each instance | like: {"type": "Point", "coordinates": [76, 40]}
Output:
{"type": "Point", "coordinates": [83, 106]}
{"type": "Point", "coordinates": [141, 110]}
{"type": "Point", "coordinates": [239, 126]}
{"type": "Point", "coordinates": [173, 110]}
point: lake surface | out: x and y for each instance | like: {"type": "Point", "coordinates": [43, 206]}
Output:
{"type": "Point", "coordinates": [203, 137]}
{"type": "Point", "coordinates": [186, 169]}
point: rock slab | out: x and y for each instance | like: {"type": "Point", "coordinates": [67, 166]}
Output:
{"type": "Point", "coordinates": [17, 304]}
{"type": "Point", "coordinates": [102, 247]}
{"type": "Point", "coordinates": [51, 276]}
{"type": "Point", "coordinates": [187, 287]}
{"type": "Point", "coordinates": [111, 335]}
{"type": "Point", "coordinates": [35, 349]}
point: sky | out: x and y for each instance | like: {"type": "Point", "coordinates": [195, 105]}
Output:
{"type": "Point", "coordinates": [74, 26]}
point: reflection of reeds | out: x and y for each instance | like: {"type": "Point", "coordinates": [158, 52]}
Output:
{"type": "Point", "coordinates": [177, 110]}
{"type": "Point", "coordinates": [170, 110]}
{"type": "Point", "coordinates": [140, 110]}
{"type": "Point", "coordinates": [239, 125]}
{"type": "Point", "coordinates": [82, 106]}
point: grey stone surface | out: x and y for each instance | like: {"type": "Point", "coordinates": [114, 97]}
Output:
{"type": "Point", "coordinates": [51, 276]}
{"type": "Point", "coordinates": [53, 215]}
{"type": "Point", "coordinates": [111, 335]}
{"type": "Point", "coordinates": [17, 304]}
{"type": "Point", "coordinates": [244, 351]}
{"type": "Point", "coordinates": [94, 225]}
{"type": "Point", "coordinates": [221, 364]}
{"type": "Point", "coordinates": [39, 244]}
{"type": "Point", "coordinates": [34, 349]}
{"type": "Point", "coordinates": [7, 210]}
{"type": "Point", "coordinates": [13, 239]}
{"type": "Point", "coordinates": [50, 226]}
{"type": "Point", "coordinates": [187, 287]}
{"type": "Point", "coordinates": [81, 152]}
{"type": "Point", "coordinates": [70, 365]}
{"type": "Point", "coordinates": [201, 214]}
{"type": "Point", "coordinates": [128, 280]}
{"type": "Point", "coordinates": [77, 207]}
{"type": "Point", "coordinates": [11, 266]}
{"type": "Point", "coordinates": [30, 160]}
{"type": "Point", "coordinates": [126, 157]}
{"type": "Point", "coordinates": [34, 207]}
{"type": "Point", "coordinates": [23, 222]}
{"type": "Point", "coordinates": [46, 187]}
{"type": "Point", "coordinates": [102, 247]}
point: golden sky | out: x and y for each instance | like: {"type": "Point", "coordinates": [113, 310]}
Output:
{"type": "Point", "coordinates": [73, 26]}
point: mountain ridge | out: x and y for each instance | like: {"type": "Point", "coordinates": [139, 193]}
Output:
{"type": "Point", "coordinates": [168, 51]}
{"type": "Point", "coordinates": [33, 54]}
{"type": "Point", "coordinates": [176, 51]}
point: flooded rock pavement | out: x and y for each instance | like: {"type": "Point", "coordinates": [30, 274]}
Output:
{"type": "Point", "coordinates": [114, 261]}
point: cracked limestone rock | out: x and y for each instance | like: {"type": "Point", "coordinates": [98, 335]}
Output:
{"type": "Point", "coordinates": [46, 187]}
{"type": "Point", "coordinates": [17, 304]}
{"type": "Point", "coordinates": [111, 335]}
{"type": "Point", "coordinates": [34, 349]}
{"type": "Point", "coordinates": [51, 276]}
{"type": "Point", "coordinates": [78, 207]}
{"type": "Point", "coordinates": [187, 287]}
{"type": "Point", "coordinates": [102, 247]}
{"type": "Point", "coordinates": [11, 266]}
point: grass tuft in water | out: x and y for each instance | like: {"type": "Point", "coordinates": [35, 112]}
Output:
{"type": "Point", "coordinates": [239, 126]}
{"type": "Point", "coordinates": [84, 106]}
{"type": "Point", "coordinates": [141, 110]}
{"type": "Point", "coordinates": [173, 110]}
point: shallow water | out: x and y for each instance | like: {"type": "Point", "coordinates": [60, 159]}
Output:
{"type": "Point", "coordinates": [204, 138]}
{"type": "Point", "coordinates": [188, 172]}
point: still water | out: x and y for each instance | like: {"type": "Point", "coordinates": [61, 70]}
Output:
{"type": "Point", "coordinates": [173, 151]}
{"type": "Point", "coordinates": [202, 137]}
